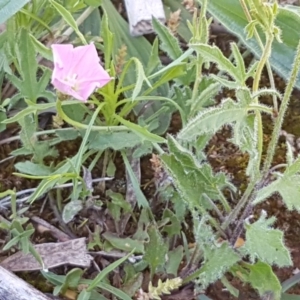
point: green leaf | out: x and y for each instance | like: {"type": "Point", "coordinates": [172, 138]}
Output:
{"type": "Point", "coordinates": [75, 112]}
{"type": "Point", "coordinates": [272, 251]}
{"type": "Point", "coordinates": [212, 119]}
{"type": "Point", "coordinates": [106, 271]}
{"type": "Point", "coordinates": [117, 203]}
{"type": "Point", "coordinates": [84, 295]}
{"type": "Point", "coordinates": [286, 296]}
{"type": "Point", "coordinates": [142, 132]}
{"type": "Point", "coordinates": [132, 285]}
{"type": "Point", "coordinates": [205, 97]}
{"type": "Point", "coordinates": [28, 86]}
{"type": "Point", "coordinates": [3, 117]}
{"type": "Point", "coordinates": [232, 290]}
{"type": "Point", "coordinates": [9, 7]}
{"type": "Point", "coordinates": [154, 61]}
{"type": "Point", "coordinates": [140, 78]}
{"type": "Point", "coordinates": [287, 284]}
{"type": "Point", "coordinates": [118, 293]}
{"type": "Point", "coordinates": [125, 244]}
{"type": "Point", "coordinates": [94, 3]}
{"type": "Point", "coordinates": [137, 47]}
{"type": "Point", "coordinates": [27, 134]}
{"type": "Point", "coordinates": [217, 262]}
{"type": "Point", "coordinates": [31, 168]}
{"type": "Point", "coordinates": [31, 108]}
{"type": "Point", "coordinates": [262, 278]}
{"type": "Point", "coordinates": [173, 227]}
{"type": "Point", "coordinates": [174, 260]}
{"type": "Point", "coordinates": [67, 16]}
{"type": "Point", "coordinates": [231, 15]}
{"type": "Point", "coordinates": [141, 199]}
{"type": "Point", "coordinates": [193, 179]}
{"type": "Point", "coordinates": [215, 55]}
{"type": "Point", "coordinates": [155, 250]}
{"type": "Point", "coordinates": [169, 43]}
{"type": "Point", "coordinates": [285, 186]}
{"type": "Point", "coordinates": [41, 48]}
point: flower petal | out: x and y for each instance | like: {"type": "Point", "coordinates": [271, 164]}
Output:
{"type": "Point", "coordinates": [77, 71]}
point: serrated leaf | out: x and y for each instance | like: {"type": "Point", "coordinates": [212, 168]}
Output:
{"type": "Point", "coordinates": [285, 186]}
{"type": "Point", "coordinates": [41, 48]}
{"type": "Point", "coordinates": [212, 119]}
{"type": "Point", "coordinates": [217, 262]}
{"type": "Point", "coordinates": [232, 17]}
{"type": "Point", "coordinates": [191, 178]}
{"type": "Point", "coordinates": [272, 250]}
{"type": "Point", "coordinates": [29, 110]}
{"type": "Point", "coordinates": [155, 250]}
{"type": "Point", "coordinates": [29, 86]}
{"type": "Point", "coordinates": [215, 55]}
{"type": "Point", "coordinates": [169, 43]}
{"type": "Point", "coordinates": [205, 97]}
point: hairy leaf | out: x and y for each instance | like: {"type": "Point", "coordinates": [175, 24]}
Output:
{"type": "Point", "coordinates": [169, 43]}
{"type": "Point", "coordinates": [217, 262]}
{"type": "Point", "coordinates": [215, 55]}
{"type": "Point", "coordinates": [231, 15]}
{"type": "Point", "coordinates": [285, 186]}
{"type": "Point", "coordinates": [272, 250]}
{"type": "Point", "coordinates": [212, 119]}
{"type": "Point", "coordinates": [191, 178]}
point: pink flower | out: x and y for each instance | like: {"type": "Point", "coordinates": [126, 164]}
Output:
{"type": "Point", "coordinates": [77, 71]}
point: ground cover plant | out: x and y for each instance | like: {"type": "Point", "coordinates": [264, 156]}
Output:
{"type": "Point", "coordinates": [101, 196]}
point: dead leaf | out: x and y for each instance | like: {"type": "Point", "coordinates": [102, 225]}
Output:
{"type": "Point", "coordinates": [72, 252]}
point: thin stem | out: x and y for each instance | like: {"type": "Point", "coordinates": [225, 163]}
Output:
{"type": "Point", "coordinates": [265, 56]}
{"type": "Point", "coordinates": [235, 212]}
{"type": "Point", "coordinates": [282, 111]}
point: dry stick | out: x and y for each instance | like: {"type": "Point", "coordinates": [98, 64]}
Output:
{"type": "Point", "coordinates": [12, 288]}
{"type": "Point", "coordinates": [6, 201]}
{"type": "Point", "coordinates": [58, 234]}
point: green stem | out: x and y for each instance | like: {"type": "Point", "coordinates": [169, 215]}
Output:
{"type": "Point", "coordinates": [258, 39]}
{"type": "Point", "coordinates": [83, 126]}
{"type": "Point", "coordinates": [235, 212]}
{"type": "Point", "coordinates": [282, 111]}
{"type": "Point", "coordinates": [265, 56]}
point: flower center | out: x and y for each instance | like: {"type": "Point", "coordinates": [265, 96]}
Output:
{"type": "Point", "coordinates": [71, 80]}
